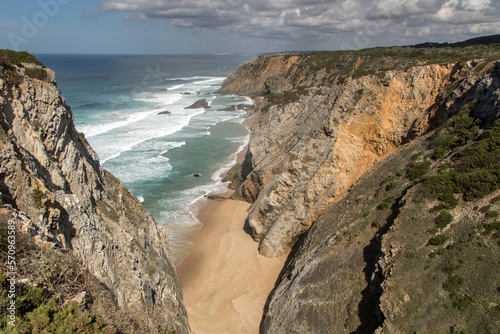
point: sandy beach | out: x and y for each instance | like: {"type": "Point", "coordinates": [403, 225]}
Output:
{"type": "Point", "coordinates": [225, 280]}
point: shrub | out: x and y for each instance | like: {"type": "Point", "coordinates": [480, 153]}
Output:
{"type": "Point", "coordinates": [16, 58]}
{"type": "Point", "coordinates": [453, 283]}
{"type": "Point", "coordinates": [461, 302]}
{"type": "Point", "coordinates": [476, 173]}
{"type": "Point", "coordinates": [388, 179]}
{"type": "Point", "coordinates": [51, 318]}
{"type": "Point", "coordinates": [38, 195]}
{"type": "Point", "coordinates": [391, 185]}
{"type": "Point", "coordinates": [438, 240]}
{"type": "Point", "coordinates": [385, 203]}
{"type": "Point", "coordinates": [443, 219]}
{"type": "Point", "coordinates": [495, 226]}
{"type": "Point", "coordinates": [492, 214]}
{"type": "Point", "coordinates": [417, 169]}
{"type": "Point", "coordinates": [495, 199]}
{"type": "Point", "coordinates": [36, 73]}
{"type": "Point", "coordinates": [440, 251]}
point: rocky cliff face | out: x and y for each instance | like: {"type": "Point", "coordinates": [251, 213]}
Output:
{"type": "Point", "coordinates": [50, 176]}
{"type": "Point", "coordinates": [384, 259]}
{"type": "Point", "coordinates": [323, 125]}
{"type": "Point", "coordinates": [393, 168]}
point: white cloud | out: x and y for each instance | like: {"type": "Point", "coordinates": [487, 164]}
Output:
{"type": "Point", "coordinates": [306, 20]}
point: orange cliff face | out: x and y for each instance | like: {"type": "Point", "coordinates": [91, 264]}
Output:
{"type": "Point", "coordinates": [321, 129]}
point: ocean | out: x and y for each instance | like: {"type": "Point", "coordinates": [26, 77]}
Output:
{"type": "Point", "coordinates": [131, 109]}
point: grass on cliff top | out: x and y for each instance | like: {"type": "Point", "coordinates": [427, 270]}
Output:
{"type": "Point", "coordinates": [10, 59]}
{"type": "Point", "coordinates": [400, 57]}
{"type": "Point", "coordinates": [335, 67]}
{"type": "Point", "coordinates": [17, 58]}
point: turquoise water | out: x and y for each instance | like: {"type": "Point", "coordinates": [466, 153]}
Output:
{"type": "Point", "coordinates": [116, 101]}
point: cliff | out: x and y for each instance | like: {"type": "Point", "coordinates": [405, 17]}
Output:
{"type": "Point", "coordinates": [380, 169]}
{"type": "Point", "coordinates": [326, 120]}
{"type": "Point", "coordinates": [53, 186]}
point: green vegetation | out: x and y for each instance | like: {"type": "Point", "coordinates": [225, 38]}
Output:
{"type": "Point", "coordinates": [461, 302]}
{"type": "Point", "coordinates": [385, 203]}
{"type": "Point", "coordinates": [417, 169]}
{"type": "Point", "coordinates": [36, 73]}
{"type": "Point", "coordinates": [488, 228]}
{"type": "Point", "coordinates": [453, 283]}
{"type": "Point", "coordinates": [38, 195]}
{"type": "Point", "coordinates": [456, 132]}
{"type": "Point", "coordinates": [10, 59]}
{"type": "Point", "coordinates": [391, 185]}
{"type": "Point", "coordinates": [16, 58]}
{"type": "Point", "coordinates": [52, 278]}
{"type": "Point", "coordinates": [438, 240]}
{"type": "Point", "coordinates": [476, 168]}
{"type": "Point", "coordinates": [443, 219]}
{"type": "Point", "coordinates": [390, 178]}
{"type": "Point", "coordinates": [284, 98]}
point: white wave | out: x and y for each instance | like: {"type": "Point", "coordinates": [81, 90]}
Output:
{"type": "Point", "coordinates": [185, 78]}
{"type": "Point", "coordinates": [176, 87]}
{"type": "Point", "coordinates": [166, 98]}
{"type": "Point", "coordinates": [214, 79]}
{"type": "Point", "coordinates": [94, 130]}
{"type": "Point", "coordinates": [112, 148]}
{"type": "Point", "coordinates": [216, 177]}
{"type": "Point", "coordinates": [174, 145]}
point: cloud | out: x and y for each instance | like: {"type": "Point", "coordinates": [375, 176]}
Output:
{"type": "Point", "coordinates": [308, 20]}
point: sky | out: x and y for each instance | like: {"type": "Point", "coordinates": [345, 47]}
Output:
{"type": "Point", "coordinates": [238, 26]}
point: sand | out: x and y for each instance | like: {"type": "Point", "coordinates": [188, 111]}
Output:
{"type": "Point", "coordinates": [224, 280]}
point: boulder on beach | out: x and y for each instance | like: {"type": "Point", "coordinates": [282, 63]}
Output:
{"type": "Point", "coordinates": [164, 113]}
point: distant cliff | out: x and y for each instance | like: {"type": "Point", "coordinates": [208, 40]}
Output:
{"type": "Point", "coordinates": [52, 185]}
{"type": "Point", "coordinates": [390, 154]}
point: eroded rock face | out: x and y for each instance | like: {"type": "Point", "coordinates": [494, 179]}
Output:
{"type": "Point", "coordinates": [369, 267]}
{"type": "Point", "coordinates": [50, 173]}
{"type": "Point", "coordinates": [306, 153]}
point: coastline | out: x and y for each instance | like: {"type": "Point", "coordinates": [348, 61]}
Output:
{"type": "Point", "coordinates": [225, 281]}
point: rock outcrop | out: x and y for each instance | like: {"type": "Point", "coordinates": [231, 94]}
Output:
{"type": "Point", "coordinates": [203, 103]}
{"type": "Point", "coordinates": [50, 175]}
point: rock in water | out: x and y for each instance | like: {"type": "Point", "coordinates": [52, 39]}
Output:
{"type": "Point", "coordinates": [199, 104]}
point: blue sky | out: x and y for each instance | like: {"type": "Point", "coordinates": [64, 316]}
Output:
{"type": "Point", "coordinates": [213, 26]}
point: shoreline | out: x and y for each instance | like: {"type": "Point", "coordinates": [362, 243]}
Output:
{"type": "Point", "coordinates": [225, 281]}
